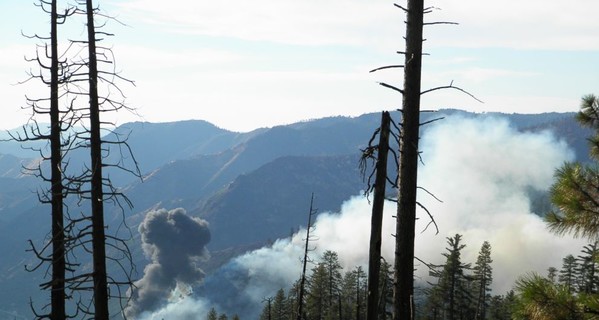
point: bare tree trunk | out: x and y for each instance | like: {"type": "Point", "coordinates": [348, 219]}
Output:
{"type": "Point", "coordinates": [300, 313]}
{"type": "Point", "coordinates": [57, 295]}
{"type": "Point", "coordinates": [97, 194]}
{"type": "Point", "coordinates": [374, 263]}
{"type": "Point", "coordinates": [403, 306]}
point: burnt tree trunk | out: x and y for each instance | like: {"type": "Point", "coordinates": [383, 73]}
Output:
{"type": "Point", "coordinates": [374, 262]}
{"type": "Point", "coordinates": [403, 306]}
{"type": "Point", "coordinates": [97, 194]}
{"type": "Point", "coordinates": [301, 311]}
{"type": "Point", "coordinates": [57, 295]}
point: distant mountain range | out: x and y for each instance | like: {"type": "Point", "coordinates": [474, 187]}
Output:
{"type": "Point", "coordinates": [251, 187]}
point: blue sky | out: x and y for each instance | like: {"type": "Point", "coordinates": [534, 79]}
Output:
{"type": "Point", "coordinates": [244, 65]}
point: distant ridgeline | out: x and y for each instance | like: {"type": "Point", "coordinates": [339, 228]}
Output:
{"type": "Point", "coordinates": [252, 187]}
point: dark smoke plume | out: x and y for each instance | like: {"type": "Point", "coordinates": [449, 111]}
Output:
{"type": "Point", "coordinates": [174, 242]}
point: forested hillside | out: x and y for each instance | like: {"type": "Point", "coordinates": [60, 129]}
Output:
{"type": "Point", "coordinates": [252, 188]}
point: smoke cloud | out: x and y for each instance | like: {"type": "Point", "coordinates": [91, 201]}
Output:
{"type": "Point", "coordinates": [483, 170]}
{"type": "Point", "coordinates": [486, 173]}
{"type": "Point", "coordinates": [174, 242]}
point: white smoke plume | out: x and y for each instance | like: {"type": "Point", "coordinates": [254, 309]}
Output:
{"type": "Point", "coordinates": [484, 171]}
{"type": "Point", "coordinates": [174, 242]}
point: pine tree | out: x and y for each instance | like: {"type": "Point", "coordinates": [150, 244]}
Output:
{"type": "Point", "coordinates": [332, 266]}
{"type": "Point", "coordinates": [539, 298]}
{"type": "Point", "coordinates": [385, 305]}
{"type": "Point", "coordinates": [575, 191]}
{"type": "Point", "coordinates": [223, 316]}
{"type": "Point", "coordinates": [567, 275]}
{"type": "Point", "coordinates": [212, 315]}
{"type": "Point", "coordinates": [552, 274]}
{"type": "Point", "coordinates": [280, 309]}
{"type": "Point", "coordinates": [361, 293]}
{"type": "Point", "coordinates": [293, 301]}
{"type": "Point", "coordinates": [500, 307]}
{"type": "Point", "coordinates": [348, 295]}
{"type": "Point", "coordinates": [588, 279]}
{"type": "Point", "coordinates": [453, 285]}
{"type": "Point", "coordinates": [317, 293]}
{"type": "Point", "coordinates": [483, 277]}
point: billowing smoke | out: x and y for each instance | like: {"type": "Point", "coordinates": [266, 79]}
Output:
{"type": "Point", "coordinates": [174, 242]}
{"type": "Point", "coordinates": [484, 171]}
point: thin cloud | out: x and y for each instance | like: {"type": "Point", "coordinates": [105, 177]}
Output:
{"type": "Point", "coordinates": [534, 24]}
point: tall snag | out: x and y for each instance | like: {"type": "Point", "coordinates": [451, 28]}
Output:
{"type": "Point", "coordinates": [60, 121]}
{"type": "Point", "coordinates": [73, 129]}
{"type": "Point", "coordinates": [58, 241]}
{"type": "Point", "coordinates": [301, 312]}
{"type": "Point", "coordinates": [374, 259]}
{"type": "Point", "coordinates": [403, 301]}
{"type": "Point", "coordinates": [403, 307]}
{"type": "Point", "coordinates": [97, 195]}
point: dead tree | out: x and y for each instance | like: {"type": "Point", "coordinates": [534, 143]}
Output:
{"type": "Point", "coordinates": [380, 183]}
{"type": "Point", "coordinates": [97, 196]}
{"type": "Point", "coordinates": [403, 293]}
{"type": "Point", "coordinates": [60, 121]}
{"type": "Point", "coordinates": [77, 234]}
{"type": "Point", "coordinates": [300, 302]}
{"type": "Point", "coordinates": [58, 251]}
{"type": "Point", "coordinates": [94, 185]}
{"type": "Point", "coordinates": [403, 307]}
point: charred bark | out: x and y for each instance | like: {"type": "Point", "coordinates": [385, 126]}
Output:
{"type": "Point", "coordinates": [403, 307]}
{"type": "Point", "coordinates": [374, 262]}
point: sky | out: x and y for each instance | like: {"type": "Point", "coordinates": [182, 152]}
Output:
{"type": "Point", "coordinates": [244, 65]}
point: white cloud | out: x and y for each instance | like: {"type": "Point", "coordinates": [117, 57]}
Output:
{"type": "Point", "coordinates": [534, 24]}
{"type": "Point", "coordinates": [294, 22]}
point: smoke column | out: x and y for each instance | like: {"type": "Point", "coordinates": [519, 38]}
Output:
{"type": "Point", "coordinates": [173, 241]}
{"type": "Point", "coordinates": [483, 170]}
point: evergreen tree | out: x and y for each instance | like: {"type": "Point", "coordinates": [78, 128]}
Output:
{"type": "Point", "coordinates": [317, 293]}
{"type": "Point", "coordinates": [500, 307]}
{"type": "Point", "coordinates": [483, 276]}
{"type": "Point", "coordinates": [280, 309]}
{"type": "Point", "coordinates": [348, 295]}
{"type": "Point", "coordinates": [212, 315]}
{"type": "Point", "coordinates": [567, 275]}
{"type": "Point", "coordinates": [292, 301]}
{"type": "Point", "coordinates": [588, 279]}
{"type": "Point", "coordinates": [496, 308]}
{"type": "Point", "coordinates": [332, 266]}
{"type": "Point", "coordinates": [541, 299]}
{"type": "Point", "coordinates": [453, 285]}
{"type": "Point", "coordinates": [385, 307]}
{"type": "Point", "coordinates": [361, 293]}
{"type": "Point", "coordinates": [574, 192]}
{"type": "Point", "coordinates": [223, 317]}
{"type": "Point", "coordinates": [551, 274]}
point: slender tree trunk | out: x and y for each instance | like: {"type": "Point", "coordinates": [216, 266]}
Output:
{"type": "Point", "coordinates": [374, 262]}
{"type": "Point", "coordinates": [97, 194]}
{"type": "Point", "coordinates": [57, 295]}
{"type": "Point", "coordinates": [300, 311]}
{"type": "Point", "coordinates": [403, 306]}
